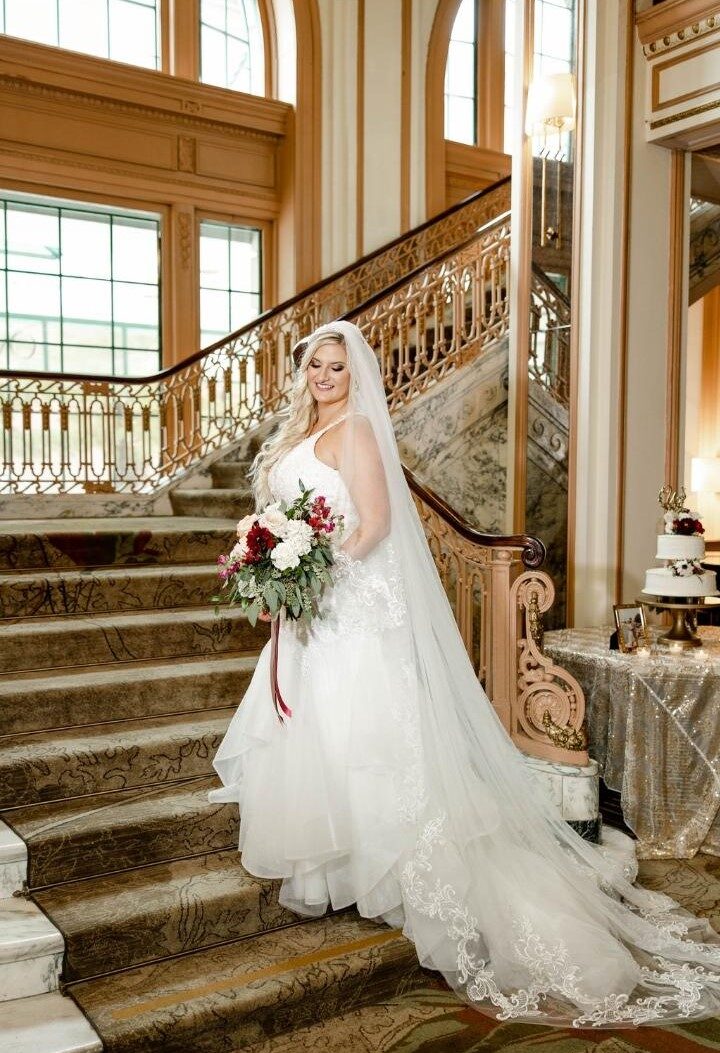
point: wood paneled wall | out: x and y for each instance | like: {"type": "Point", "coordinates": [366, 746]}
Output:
{"type": "Point", "coordinates": [83, 128]}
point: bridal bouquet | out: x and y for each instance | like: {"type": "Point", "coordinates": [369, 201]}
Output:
{"type": "Point", "coordinates": [281, 559]}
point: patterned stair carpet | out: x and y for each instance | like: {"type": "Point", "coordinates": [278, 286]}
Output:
{"type": "Point", "coordinates": [118, 685]}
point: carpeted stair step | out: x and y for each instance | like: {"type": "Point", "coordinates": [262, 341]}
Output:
{"type": "Point", "coordinates": [72, 544]}
{"type": "Point", "coordinates": [127, 919]}
{"type": "Point", "coordinates": [50, 700]}
{"type": "Point", "coordinates": [227, 504]}
{"type": "Point", "coordinates": [33, 594]}
{"type": "Point", "coordinates": [230, 475]}
{"type": "Point", "coordinates": [51, 643]}
{"type": "Point", "coordinates": [88, 836]}
{"type": "Point", "coordinates": [51, 766]}
{"type": "Point", "coordinates": [231, 997]}
{"type": "Point", "coordinates": [427, 1018]}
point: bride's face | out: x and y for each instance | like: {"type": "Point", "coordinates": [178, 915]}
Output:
{"type": "Point", "coordinates": [328, 375]}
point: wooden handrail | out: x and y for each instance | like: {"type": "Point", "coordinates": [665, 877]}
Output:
{"type": "Point", "coordinates": [533, 549]}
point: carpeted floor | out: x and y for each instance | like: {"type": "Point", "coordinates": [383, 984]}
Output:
{"type": "Point", "coordinates": [430, 1019]}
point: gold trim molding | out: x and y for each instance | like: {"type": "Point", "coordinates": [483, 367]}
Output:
{"type": "Point", "coordinates": [676, 22]}
{"type": "Point", "coordinates": [660, 67]}
{"type": "Point", "coordinates": [25, 86]}
{"type": "Point", "coordinates": [674, 118]}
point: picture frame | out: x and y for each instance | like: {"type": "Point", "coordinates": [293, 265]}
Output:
{"type": "Point", "coordinates": [631, 627]}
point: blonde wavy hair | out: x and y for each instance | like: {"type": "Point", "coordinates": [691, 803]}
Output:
{"type": "Point", "coordinates": [300, 417]}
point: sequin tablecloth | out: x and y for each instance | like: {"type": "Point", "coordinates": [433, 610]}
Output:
{"type": "Point", "coordinates": [654, 727]}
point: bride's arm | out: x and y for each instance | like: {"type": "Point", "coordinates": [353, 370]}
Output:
{"type": "Point", "coordinates": [369, 493]}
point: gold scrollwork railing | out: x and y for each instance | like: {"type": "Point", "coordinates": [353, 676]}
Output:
{"type": "Point", "coordinates": [499, 594]}
{"type": "Point", "coordinates": [66, 434]}
{"type": "Point", "coordinates": [549, 358]}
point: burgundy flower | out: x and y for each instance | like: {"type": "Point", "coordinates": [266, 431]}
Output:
{"type": "Point", "coordinates": [259, 542]}
{"type": "Point", "coordinates": [687, 526]}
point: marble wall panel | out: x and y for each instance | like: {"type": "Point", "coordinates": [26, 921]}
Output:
{"type": "Point", "coordinates": [455, 439]}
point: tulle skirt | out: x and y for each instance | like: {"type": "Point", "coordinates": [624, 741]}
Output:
{"type": "Point", "coordinates": [327, 798]}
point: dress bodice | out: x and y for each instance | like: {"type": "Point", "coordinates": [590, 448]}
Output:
{"type": "Point", "coordinates": [367, 595]}
{"type": "Point", "coordinates": [302, 463]}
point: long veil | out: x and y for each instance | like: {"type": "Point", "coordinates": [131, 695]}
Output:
{"type": "Point", "coordinates": [524, 919]}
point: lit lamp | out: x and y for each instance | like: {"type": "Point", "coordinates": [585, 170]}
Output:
{"type": "Point", "coordinates": [551, 107]}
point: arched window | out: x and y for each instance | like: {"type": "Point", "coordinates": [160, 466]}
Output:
{"type": "Point", "coordinates": [232, 52]}
{"type": "Point", "coordinates": [461, 76]}
{"type": "Point", "coordinates": [464, 79]}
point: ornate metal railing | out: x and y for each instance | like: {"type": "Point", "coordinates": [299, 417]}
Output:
{"type": "Point", "coordinates": [549, 357]}
{"type": "Point", "coordinates": [67, 434]}
{"type": "Point", "coordinates": [499, 594]}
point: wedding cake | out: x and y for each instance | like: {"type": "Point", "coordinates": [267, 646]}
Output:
{"type": "Point", "coordinates": [681, 548]}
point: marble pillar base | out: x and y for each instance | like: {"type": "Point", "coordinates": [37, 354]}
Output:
{"type": "Point", "coordinates": [47, 1023]}
{"type": "Point", "coordinates": [576, 792]}
{"type": "Point", "coordinates": [13, 861]}
{"type": "Point", "coordinates": [31, 950]}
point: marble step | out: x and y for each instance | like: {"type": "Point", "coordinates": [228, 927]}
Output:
{"type": "Point", "coordinates": [35, 593]}
{"type": "Point", "coordinates": [51, 766]}
{"type": "Point", "coordinates": [46, 1023]}
{"type": "Point", "coordinates": [230, 475]}
{"type": "Point", "coordinates": [49, 700]}
{"type": "Point", "coordinates": [123, 920]}
{"type": "Point", "coordinates": [13, 862]}
{"type": "Point", "coordinates": [54, 643]}
{"type": "Point", "coordinates": [228, 504]}
{"type": "Point", "coordinates": [109, 832]}
{"type": "Point", "coordinates": [31, 950]}
{"type": "Point", "coordinates": [228, 998]}
{"type": "Point", "coordinates": [72, 544]}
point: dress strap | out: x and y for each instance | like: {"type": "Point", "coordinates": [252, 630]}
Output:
{"type": "Point", "coordinates": [316, 434]}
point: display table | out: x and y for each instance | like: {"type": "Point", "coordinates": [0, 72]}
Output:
{"type": "Point", "coordinates": [654, 728]}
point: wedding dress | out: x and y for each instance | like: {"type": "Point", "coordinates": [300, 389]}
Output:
{"type": "Point", "coordinates": [394, 786]}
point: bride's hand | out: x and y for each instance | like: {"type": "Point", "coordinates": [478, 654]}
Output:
{"type": "Point", "coordinates": [264, 617]}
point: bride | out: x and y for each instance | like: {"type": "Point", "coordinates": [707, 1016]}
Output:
{"type": "Point", "coordinates": [393, 784]}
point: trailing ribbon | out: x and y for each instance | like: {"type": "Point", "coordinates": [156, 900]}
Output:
{"type": "Point", "coordinates": [278, 701]}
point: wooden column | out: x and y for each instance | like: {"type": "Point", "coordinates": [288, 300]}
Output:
{"type": "Point", "coordinates": [184, 42]}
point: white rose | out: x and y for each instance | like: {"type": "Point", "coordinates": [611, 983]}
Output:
{"type": "Point", "coordinates": [284, 556]}
{"type": "Point", "coordinates": [244, 525]}
{"type": "Point", "coordinates": [274, 520]}
{"type": "Point", "coordinates": [300, 534]}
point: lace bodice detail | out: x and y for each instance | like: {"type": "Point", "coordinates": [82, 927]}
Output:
{"type": "Point", "coordinates": [367, 596]}
{"type": "Point", "coordinates": [302, 463]}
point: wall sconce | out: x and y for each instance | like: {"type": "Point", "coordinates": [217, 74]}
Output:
{"type": "Point", "coordinates": [551, 108]}
{"type": "Point", "coordinates": [705, 475]}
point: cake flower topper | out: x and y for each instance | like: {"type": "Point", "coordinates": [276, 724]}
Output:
{"type": "Point", "coordinates": [678, 518]}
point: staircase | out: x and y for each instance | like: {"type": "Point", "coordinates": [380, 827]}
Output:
{"type": "Point", "coordinates": [118, 685]}
{"type": "Point", "coordinates": [118, 681]}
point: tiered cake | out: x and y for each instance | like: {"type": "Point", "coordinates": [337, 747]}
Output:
{"type": "Point", "coordinates": [681, 548]}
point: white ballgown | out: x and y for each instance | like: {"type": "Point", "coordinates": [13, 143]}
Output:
{"type": "Point", "coordinates": [394, 786]}
{"type": "Point", "coordinates": [329, 799]}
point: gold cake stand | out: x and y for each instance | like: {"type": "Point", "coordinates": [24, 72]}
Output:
{"type": "Point", "coordinates": [682, 634]}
